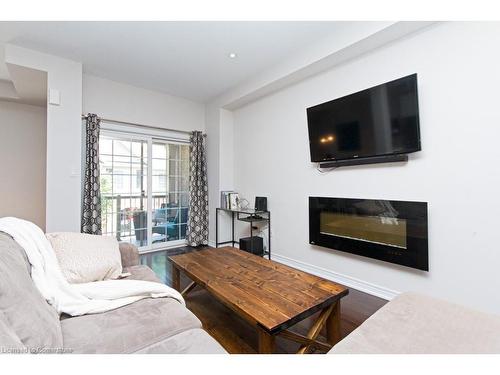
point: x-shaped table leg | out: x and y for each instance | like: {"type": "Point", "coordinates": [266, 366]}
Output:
{"type": "Point", "coordinates": [330, 316]}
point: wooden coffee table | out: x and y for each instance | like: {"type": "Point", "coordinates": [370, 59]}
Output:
{"type": "Point", "coordinates": [267, 294]}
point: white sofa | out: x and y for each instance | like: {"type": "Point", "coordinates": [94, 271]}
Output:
{"type": "Point", "coordinates": [416, 324]}
{"type": "Point", "coordinates": [28, 324]}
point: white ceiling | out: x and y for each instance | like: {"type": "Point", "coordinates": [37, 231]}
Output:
{"type": "Point", "coordinates": [187, 59]}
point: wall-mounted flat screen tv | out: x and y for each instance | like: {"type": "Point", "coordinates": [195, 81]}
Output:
{"type": "Point", "coordinates": [382, 120]}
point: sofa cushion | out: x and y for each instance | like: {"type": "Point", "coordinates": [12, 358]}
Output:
{"type": "Point", "coordinates": [84, 258]}
{"type": "Point", "coordinates": [193, 341]}
{"type": "Point", "coordinates": [129, 328]}
{"type": "Point", "coordinates": [129, 253]}
{"type": "Point", "coordinates": [9, 342]}
{"type": "Point", "coordinates": [24, 310]}
{"type": "Point", "coordinates": [417, 324]}
{"type": "Point", "coordinates": [141, 272]}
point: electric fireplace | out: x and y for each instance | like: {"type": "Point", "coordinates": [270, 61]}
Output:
{"type": "Point", "coordinates": [392, 231]}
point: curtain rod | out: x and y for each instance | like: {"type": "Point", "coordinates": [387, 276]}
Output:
{"type": "Point", "coordinates": [134, 124]}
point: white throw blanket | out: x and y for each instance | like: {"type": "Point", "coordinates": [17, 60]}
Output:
{"type": "Point", "coordinates": [76, 299]}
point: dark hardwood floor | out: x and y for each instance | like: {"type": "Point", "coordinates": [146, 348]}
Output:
{"type": "Point", "coordinates": [234, 333]}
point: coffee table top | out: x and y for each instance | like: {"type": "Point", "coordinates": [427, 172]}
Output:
{"type": "Point", "coordinates": [263, 292]}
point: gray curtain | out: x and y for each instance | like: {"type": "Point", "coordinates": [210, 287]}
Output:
{"type": "Point", "coordinates": [197, 233]}
{"type": "Point", "coordinates": [91, 212]}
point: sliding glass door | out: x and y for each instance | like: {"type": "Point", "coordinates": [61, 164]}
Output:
{"type": "Point", "coordinates": [170, 179]}
{"type": "Point", "coordinates": [144, 189]}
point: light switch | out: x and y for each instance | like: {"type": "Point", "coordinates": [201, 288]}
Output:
{"type": "Point", "coordinates": [54, 97]}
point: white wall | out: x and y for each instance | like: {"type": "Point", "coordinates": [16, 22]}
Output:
{"type": "Point", "coordinates": [220, 166]}
{"type": "Point", "coordinates": [122, 102]}
{"type": "Point", "coordinates": [457, 172]}
{"type": "Point", "coordinates": [23, 133]}
{"type": "Point", "coordinates": [64, 136]}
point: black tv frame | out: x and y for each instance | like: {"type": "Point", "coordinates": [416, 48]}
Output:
{"type": "Point", "coordinates": [376, 158]}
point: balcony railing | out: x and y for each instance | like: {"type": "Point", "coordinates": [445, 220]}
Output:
{"type": "Point", "coordinates": [125, 217]}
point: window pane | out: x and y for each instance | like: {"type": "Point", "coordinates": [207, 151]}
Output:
{"type": "Point", "coordinates": [121, 168]}
{"type": "Point", "coordinates": [184, 199]}
{"type": "Point", "coordinates": [185, 152]}
{"type": "Point", "coordinates": [105, 146]}
{"type": "Point", "coordinates": [107, 223]}
{"type": "Point", "coordinates": [159, 201]}
{"type": "Point", "coordinates": [184, 168]}
{"type": "Point", "coordinates": [183, 231]}
{"type": "Point", "coordinates": [138, 169]}
{"type": "Point", "coordinates": [106, 164]}
{"type": "Point", "coordinates": [159, 151]}
{"type": "Point", "coordinates": [159, 167]}
{"type": "Point", "coordinates": [173, 200]}
{"type": "Point", "coordinates": [139, 149]}
{"type": "Point", "coordinates": [172, 167]}
{"type": "Point", "coordinates": [159, 185]}
{"type": "Point", "coordinates": [121, 147]}
{"type": "Point", "coordinates": [184, 215]}
{"type": "Point", "coordinates": [173, 151]}
{"type": "Point", "coordinates": [173, 184]}
{"type": "Point", "coordinates": [173, 214]}
{"type": "Point", "coordinates": [138, 185]}
{"type": "Point", "coordinates": [138, 202]}
{"type": "Point", "coordinates": [173, 233]}
{"type": "Point", "coordinates": [106, 184]}
{"type": "Point", "coordinates": [121, 184]}
{"type": "Point", "coordinates": [183, 184]}
{"type": "Point", "coordinates": [124, 189]}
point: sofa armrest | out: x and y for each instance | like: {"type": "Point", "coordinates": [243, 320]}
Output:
{"type": "Point", "coordinates": [129, 254]}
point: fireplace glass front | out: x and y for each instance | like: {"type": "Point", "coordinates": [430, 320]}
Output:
{"type": "Point", "coordinates": [394, 231]}
{"type": "Point", "coordinates": [382, 230]}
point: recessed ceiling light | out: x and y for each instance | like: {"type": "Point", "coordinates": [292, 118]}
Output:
{"type": "Point", "coordinates": [232, 55]}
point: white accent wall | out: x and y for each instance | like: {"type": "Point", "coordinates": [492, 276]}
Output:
{"type": "Point", "coordinates": [23, 133]}
{"type": "Point", "coordinates": [457, 172]}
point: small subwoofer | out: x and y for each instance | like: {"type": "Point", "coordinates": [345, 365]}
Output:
{"type": "Point", "coordinates": [254, 245]}
{"type": "Point", "coordinates": [261, 203]}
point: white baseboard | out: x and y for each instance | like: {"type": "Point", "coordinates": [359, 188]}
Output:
{"type": "Point", "coordinates": [166, 246]}
{"type": "Point", "coordinates": [212, 244]}
{"type": "Point", "coordinates": [348, 281]}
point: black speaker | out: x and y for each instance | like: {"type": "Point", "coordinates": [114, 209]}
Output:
{"type": "Point", "coordinates": [254, 245]}
{"type": "Point", "coordinates": [261, 203]}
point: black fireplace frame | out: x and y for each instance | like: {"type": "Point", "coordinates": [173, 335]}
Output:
{"type": "Point", "coordinates": [415, 213]}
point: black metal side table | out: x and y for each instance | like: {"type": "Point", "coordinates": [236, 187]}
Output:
{"type": "Point", "coordinates": [247, 215]}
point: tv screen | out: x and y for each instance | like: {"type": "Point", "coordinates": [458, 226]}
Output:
{"type": "Point", "coordinates": [382, 120]}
